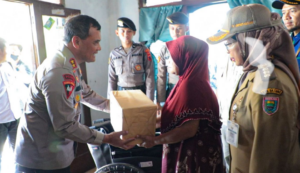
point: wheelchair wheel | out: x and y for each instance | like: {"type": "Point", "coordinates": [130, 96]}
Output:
{"type": "Point", "coordinates": [119, 168]}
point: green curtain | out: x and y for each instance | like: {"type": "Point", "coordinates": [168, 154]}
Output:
{"type": "Point", "coordinates": [267, 3]}
{"type": "Point", "coordinates": [153, 23]}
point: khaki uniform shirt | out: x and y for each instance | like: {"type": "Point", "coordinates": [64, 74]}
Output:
{"type": "Point", "coordinates": [268, 137]}
{"type": "Point", "coordinates": [131, 69]}
{"type": "Point", "coordinates": [162, 67]}
{"type": "Point", "coordinates": [52, 112]}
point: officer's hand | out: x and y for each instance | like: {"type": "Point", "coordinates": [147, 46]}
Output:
{"type": "Point", "coordinates": [114, 139]}
{"type": "Point", "coordinates": [148, 141]}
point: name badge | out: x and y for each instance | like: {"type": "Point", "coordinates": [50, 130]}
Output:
{"type": "Point", "coordinates": [232, 133]}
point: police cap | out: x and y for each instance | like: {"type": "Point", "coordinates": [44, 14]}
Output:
{"type": "Point", "coordinates": [178, 18]}
{"type": "Point", "coordinates": [278, 4]}
{"type": "Point", "coordinates": [124, 22]}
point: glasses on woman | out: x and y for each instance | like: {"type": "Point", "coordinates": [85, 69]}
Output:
{"type": "Point", "coordinates": [230, 43]}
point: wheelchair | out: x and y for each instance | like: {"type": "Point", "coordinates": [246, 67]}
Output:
{"type": "Point", "coordinates": [115, 160]}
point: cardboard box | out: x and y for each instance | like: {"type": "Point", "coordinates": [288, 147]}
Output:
{"type": "Point", "coordinates": [133, 111]}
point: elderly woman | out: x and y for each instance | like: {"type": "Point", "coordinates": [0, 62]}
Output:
{"type": "Point", "coordinates": [190, 122]}
{"type": "Point", "coordinates": [262, 128]}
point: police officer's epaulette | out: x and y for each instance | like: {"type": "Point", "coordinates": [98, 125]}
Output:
{"type": "Point", "coordinates": [136, 45]}
{"type": "Point", "coordinates": [118, 48]}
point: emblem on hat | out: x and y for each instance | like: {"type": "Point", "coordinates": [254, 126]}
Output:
{"type": "Point", "coordinates": [170, 20]}
{"type": "Point", "coordinates": [120, 23]}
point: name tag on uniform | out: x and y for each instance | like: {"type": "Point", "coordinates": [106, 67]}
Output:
{"type": "Point", "coordinates": [232, 133]}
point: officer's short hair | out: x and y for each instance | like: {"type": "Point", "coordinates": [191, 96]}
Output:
{"type": "Point", "coordinates": [2, 44]}
{"type": "Point", "coordinates": [79, 26]}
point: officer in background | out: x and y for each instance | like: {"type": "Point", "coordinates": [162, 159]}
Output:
{"type": "Point", "coordinates": [291, 19]}
{"type": "Point", "coordinates": [130, 65]}
{"type": "Point", "coordinates": [178, 26]}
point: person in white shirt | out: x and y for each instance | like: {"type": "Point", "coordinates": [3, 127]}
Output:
{"type": "Point", "coordinates": [10, 108]}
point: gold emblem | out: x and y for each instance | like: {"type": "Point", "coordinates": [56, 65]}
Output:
{"type": "Point", "coordinates": [120, 23]}
{"type": "Point", "coordinates": [272, 91]}
{"type": "Point", "coordinates": [77, 98]}
{"type": "Point", "coordinates": [170, 20]}
{"type": "Point", "coordinates": [138, 67]}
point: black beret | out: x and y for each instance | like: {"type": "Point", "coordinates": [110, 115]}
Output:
{"type": "Point", "coordinates": [278, 4]}
{"type": "Point", "coordinates": [178, 18]}
{"type": "Point", "coordinates": [124, 22]}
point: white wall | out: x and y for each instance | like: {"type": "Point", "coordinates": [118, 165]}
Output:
{"type": "Point", "coordinates": [106, 12]}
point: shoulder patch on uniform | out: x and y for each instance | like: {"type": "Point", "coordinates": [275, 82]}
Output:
{"type": "Point", "coordinates": [272, 91]}
{"type": "Point", "coordinates": [147, 51]}
{"type": "Point", "coordinates": [69, 87]}
{"type": "Point", "coordinates": [270, 105]}
{"type": "Point", "coordinates": [73, 63]}
{"type": "Point", "coordinates": [68, 77]}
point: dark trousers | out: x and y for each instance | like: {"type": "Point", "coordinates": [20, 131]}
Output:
{"type": "Point", "coordinates": [8, 131]}
{"type": "Point", "coordinates": [29, 170]}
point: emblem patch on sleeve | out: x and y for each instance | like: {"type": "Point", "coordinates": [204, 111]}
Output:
{"type": "Point", "coordinates": [147, 51]}
{"type": "Point", "coordinates": [73, 63]}
{"type": "Point", "coordinates": [270, 105]}
{"type": "Point", "coordinates": [69, 87]}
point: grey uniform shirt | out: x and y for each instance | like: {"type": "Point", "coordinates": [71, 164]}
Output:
{"type": "Point", "coordinates": [51, 122]}
{"type": "Point", "coordinates": [162, 67]}
{"type": "Point", "coordinates": [134, 68]}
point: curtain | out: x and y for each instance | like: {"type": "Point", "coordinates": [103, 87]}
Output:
{"type": "Point", "coordinates": [153, 23]}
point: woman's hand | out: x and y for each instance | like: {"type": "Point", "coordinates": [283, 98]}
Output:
{"type": "Point", "coordinates": [148, 141]}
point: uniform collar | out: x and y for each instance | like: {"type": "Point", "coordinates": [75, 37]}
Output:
{"type": "Point", "coordinates": [70, 61]}
{"type": "Point", "coordinates": [132, 46]}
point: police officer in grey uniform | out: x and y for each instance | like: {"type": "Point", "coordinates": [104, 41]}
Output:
{"type": "Point", "coordinates": [130, 65]}
{"type": "Point", "coordinates": [51, 120]}
{"type": "Point", "coordinates": [166, 81]}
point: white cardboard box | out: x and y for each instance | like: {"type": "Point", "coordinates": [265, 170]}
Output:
{"type": "Point", "coordinates": [133, 111]}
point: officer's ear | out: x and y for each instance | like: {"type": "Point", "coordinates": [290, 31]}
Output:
{"type": "Point", "coordinates": [117, 32]}
{"type": "Point", "coordinates": [76, 42]}
{"type": "Point", "coordinates": [134, 33]}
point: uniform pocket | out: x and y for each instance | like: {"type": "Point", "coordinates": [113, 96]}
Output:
{"type": "Point", "coordinates": [119, 66]}
{"type": "Point", "coordinates": [137, 68]}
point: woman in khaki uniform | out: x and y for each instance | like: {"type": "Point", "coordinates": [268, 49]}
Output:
{"type": "Point", "coordinates": [262, 128]}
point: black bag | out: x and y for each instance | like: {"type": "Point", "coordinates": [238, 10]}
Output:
{"type": "Point", "coordinates": [101, 153]}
